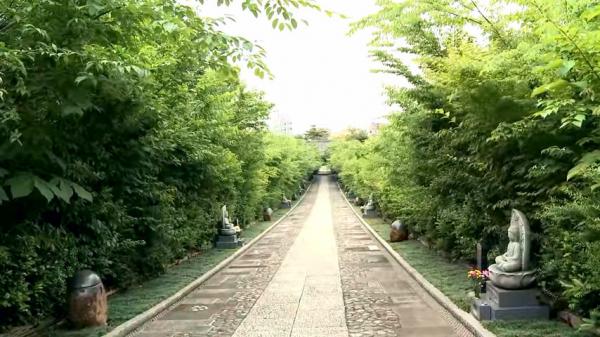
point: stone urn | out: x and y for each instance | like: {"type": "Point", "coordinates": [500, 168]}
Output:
{"type": "Point", "coordinates": [87, 301]}
{"type": "Point", "coordinates": [399, 231]}
{"type": "Point", "coordinates": [267, 214]}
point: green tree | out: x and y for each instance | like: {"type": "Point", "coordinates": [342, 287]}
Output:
{"type": "Point", "coordinates": [315, 133]}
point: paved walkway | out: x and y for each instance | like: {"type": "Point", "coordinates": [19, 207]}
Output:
{"type": "Point", "coordinates": [317, 274]}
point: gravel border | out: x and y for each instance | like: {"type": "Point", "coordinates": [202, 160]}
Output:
{"type": "Point", "coordinates": [470, 322]}
{"type": "Point", "coordinates": [137, 321]}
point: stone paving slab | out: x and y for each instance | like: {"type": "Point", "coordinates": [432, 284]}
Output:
{"type": "Point", "coordinates": [305, 297]}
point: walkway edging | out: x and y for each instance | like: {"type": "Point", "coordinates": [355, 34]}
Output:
{"type": "Point", "coordinates": [137, 321]}
{"type": "Point", "coordinates": [462, 316]}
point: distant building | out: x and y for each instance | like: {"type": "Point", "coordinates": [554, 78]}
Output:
{"type": "Point", "coordinates": [279, 123]}
{"type": "Point", "coordinates": [376, 125]}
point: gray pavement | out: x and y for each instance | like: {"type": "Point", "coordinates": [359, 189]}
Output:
{"type": "Point", "coordinates": [317, 274]}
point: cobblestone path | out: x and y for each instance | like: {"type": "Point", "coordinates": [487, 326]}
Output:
{"type": "Point", "coordinates": [380, 298]}
{"type": "Point", "coordinates": [317, 274]}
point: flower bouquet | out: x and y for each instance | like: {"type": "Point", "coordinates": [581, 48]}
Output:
{"type": "Point", "coordinates": [478, 278]}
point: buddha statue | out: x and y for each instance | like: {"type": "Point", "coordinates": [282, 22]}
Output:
{"type": "Point", "coordinates": [285, 202]}
{"type": "Point", "coordinates": [511, 268]}
{"type": "Point", "coordinates": [370, 204]}
{"type": "Point", "coordinates": [227, 228]}
{"type": "Point", "coordinates": [368, 210]}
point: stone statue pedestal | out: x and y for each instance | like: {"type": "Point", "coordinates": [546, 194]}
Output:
{"type": "Point", "coordinates": [369, 213]}
{"type": "Point", "coordinates": [505, 304]}
{"type": "Point", "coordinates": [229, 241]}
{"type": "Point", "coordinates": [516, 280]}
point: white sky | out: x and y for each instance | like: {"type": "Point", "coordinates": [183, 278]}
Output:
{"type": "Point", "coordinates": [322, 76]}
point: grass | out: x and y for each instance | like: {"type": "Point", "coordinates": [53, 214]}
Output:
{"type": "Point", "coordinates": [127, 304]}
{"type": "Point", "coordinates": [450, 278]}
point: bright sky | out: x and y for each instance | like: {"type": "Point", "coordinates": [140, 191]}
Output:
{"type": "Point", "coordinates": [322, 75]}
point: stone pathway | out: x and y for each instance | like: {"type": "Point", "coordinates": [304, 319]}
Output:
{"type": "Point", "coordinates": [317, 274]}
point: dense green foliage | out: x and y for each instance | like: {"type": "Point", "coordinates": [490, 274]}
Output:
{"type": "Point", "coordinates": [501, 113]}
{"type": "Point", "coordinates": [123, 129]}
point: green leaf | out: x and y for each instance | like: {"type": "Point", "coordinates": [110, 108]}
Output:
{"type": "Point", "coordinates": [82, 193]}
{"type": "Point", "coordinates": [586, 161]}
{"type": "Point", "coordinates": [69, 109]}
{"type": "Point", "coordinates": [565, 68]}
{"type": "Point", "coordinates": [560, 83]}
{"type": "Point", "coordinates": [3, 195]}
{"type": "Point", "coordinates": [44, 188]}
{"type": "Point", "coordinates": [21, 185]}
{"type": "Point", "coordinates": [62, 189]}
{"type": "Point", "coordinates": [591, 13]}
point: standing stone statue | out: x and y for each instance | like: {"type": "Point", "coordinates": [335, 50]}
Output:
{"type": "Point", "coordinates": [399, 231]}
{"type": "Point", "coordinates": [228, 232]}
{"type": "Point", "coordinates": [368, 210]}
{"type": "Point", "coordinates": [509, 292]}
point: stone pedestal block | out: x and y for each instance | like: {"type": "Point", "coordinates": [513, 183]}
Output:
{"type": "Point", "coordinates": [503, 304]}
{"type": "Point", "coordinates": [481, 310]}
{"type": "Point", "coordinates": [229, 241]}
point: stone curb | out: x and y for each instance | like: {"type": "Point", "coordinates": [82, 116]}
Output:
{"type": "Point", "coordinates": [137, 321]}
{"type": "Point", "coordinates": [462, 316]}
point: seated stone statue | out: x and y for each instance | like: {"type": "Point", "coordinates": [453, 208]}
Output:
{"type": "Point", "coordinates": [369, 210]}
{"type": "Point", "coordinates": [370, 204]}
{"type": "Point", "coordinates": [511, 268]}
{"type": "Point", "coordinates": [511, 260]}
{"type": "Point", "coordinates": [285, 202]}
{"type": "Point", "coordinates": [227, 228]}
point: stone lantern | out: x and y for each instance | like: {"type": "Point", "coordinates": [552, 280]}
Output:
{"type": "Point", "coordinates": [87, 300]}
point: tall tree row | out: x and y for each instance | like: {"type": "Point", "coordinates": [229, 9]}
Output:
{"type": "Point", "coordinates": [123, 129]}
{"type": "Point", "coordinates": [501, 112]}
